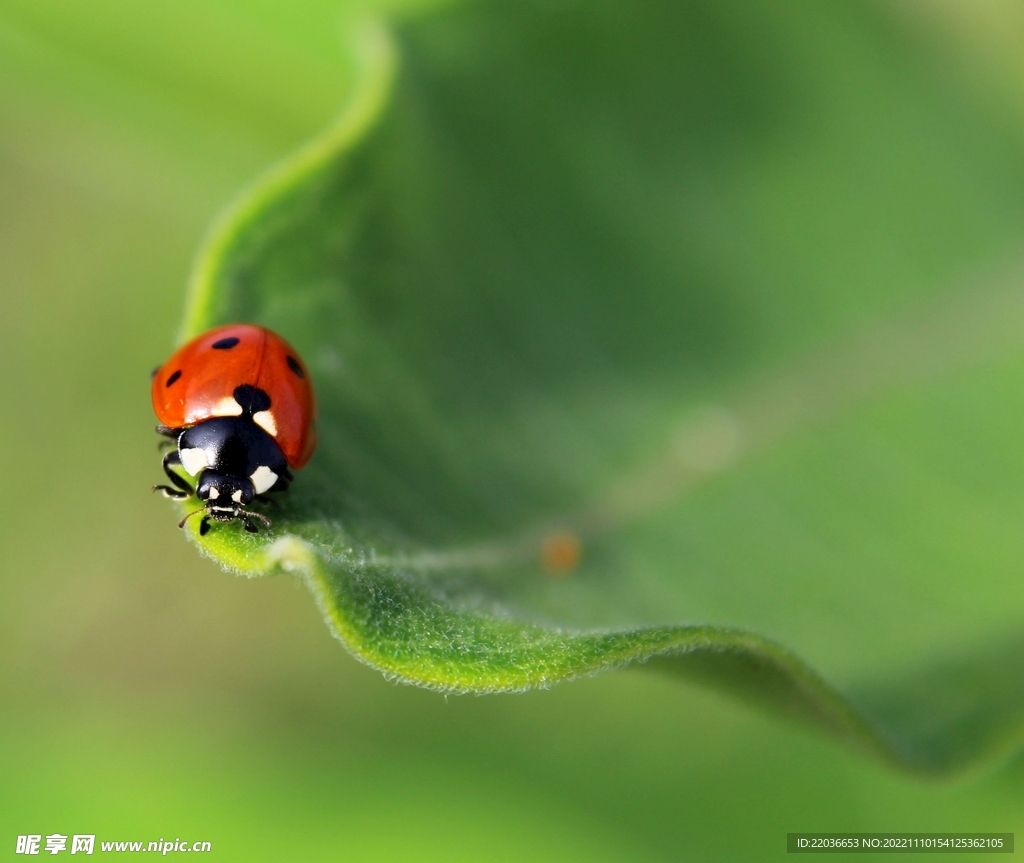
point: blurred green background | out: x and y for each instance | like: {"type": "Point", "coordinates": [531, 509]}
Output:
{"type": "Point", "coordinates": [147, 694]}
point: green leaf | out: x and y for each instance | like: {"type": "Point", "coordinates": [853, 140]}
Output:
{"type": "Point", "coordinates": [703, 295]}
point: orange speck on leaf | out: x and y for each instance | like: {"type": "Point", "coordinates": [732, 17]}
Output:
{"type": "Point", "coordinates": [560, 553]}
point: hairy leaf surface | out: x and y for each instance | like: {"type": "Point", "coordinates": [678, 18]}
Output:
{"type": "Point", "coordinates": [625, 316]}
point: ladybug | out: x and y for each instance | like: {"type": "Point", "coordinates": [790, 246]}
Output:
{"type": "Point", "coordinates": [239, 405]}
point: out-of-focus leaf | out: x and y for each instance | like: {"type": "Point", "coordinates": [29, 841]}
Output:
{"type": "Point", "coordinates": [622, 315]}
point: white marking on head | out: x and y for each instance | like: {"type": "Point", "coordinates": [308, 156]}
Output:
{"type": "Point", "coordinates": [193, 460]}
{"type": "Point", "coordinates": [214, 494]}
{"type": "Point", "coordinates": [237, 496]}
{"type": "Point", "coordinates": [265, 420]}
{"type": "Point", "coordinates": [226, 407]}
{"type": "Point", "coordinates": [263, 478]}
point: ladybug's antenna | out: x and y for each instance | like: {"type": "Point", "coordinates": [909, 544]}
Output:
{"type": "Point", "coordinates": [254, 514]}
{"type": "Point", "coordinates": [187, 517]}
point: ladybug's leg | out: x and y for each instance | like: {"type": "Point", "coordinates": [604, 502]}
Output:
{"type": "Point", "coordinates": [204, 525]}
{"type": "Point", "coordinates": [250, 525]}
{"type": "Point", "coordinates": [170, 434]}
{"type": "Point", "coordinates": [183, 490]}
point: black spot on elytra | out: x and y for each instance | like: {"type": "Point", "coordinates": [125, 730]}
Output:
{"type": "Point", "coordinates": [173, 378]}
{"type": "Point", "coordinates": [252, 399]}
{"type": "Point", "coordinates": [293, 364]}
{"type": "Point", "coordinates": [225, 344]}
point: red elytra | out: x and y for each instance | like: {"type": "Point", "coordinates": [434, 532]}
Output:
{"type": "Point", "coordinates": [197, 383]}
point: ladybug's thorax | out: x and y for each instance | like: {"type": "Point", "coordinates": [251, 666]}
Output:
{"type": "Point", "coordinates": [235, 449]}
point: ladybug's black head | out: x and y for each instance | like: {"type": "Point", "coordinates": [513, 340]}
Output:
{"type": "Point", "coordinates": [225, 497]}
{"type": "Point", "coordinates": [222, 492]}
